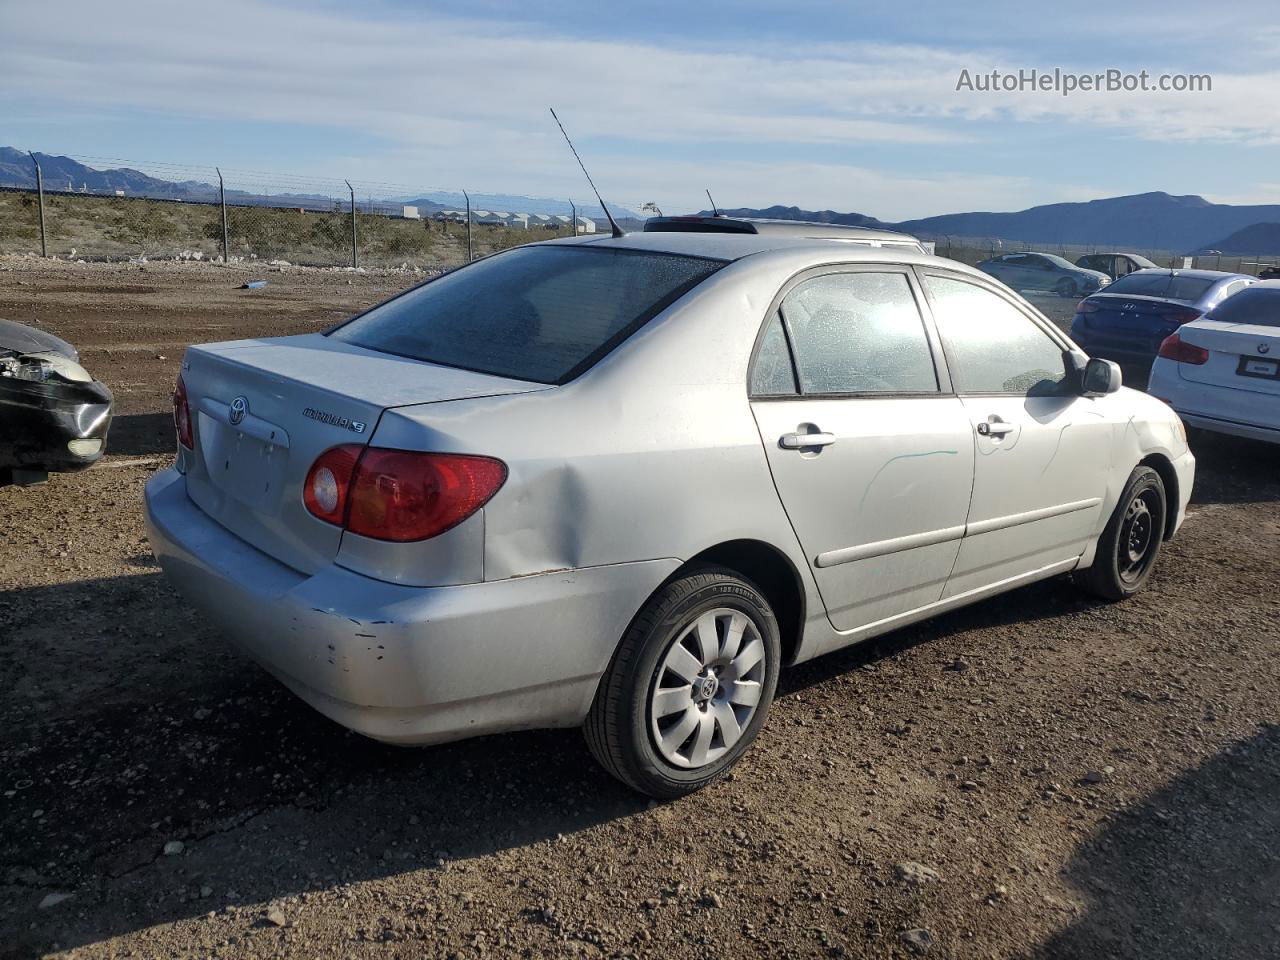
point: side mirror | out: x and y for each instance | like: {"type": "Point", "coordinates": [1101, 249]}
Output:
{"type": "Point", "coordinates": [1100, 378]}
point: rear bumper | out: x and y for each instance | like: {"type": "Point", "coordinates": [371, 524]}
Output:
{"type": "Point", "coordinates": [401, 664]}
{"type": "Point", "coordinates": [1220, 409]}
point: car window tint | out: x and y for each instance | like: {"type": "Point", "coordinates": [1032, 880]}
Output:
{"type": "Point", "coordinates": [992, 347]}
{"type": "Point", "coordinates": [1254, 304]}
{"type": "Point", "coordinates": [772, 374]}
{"type": "Point", "coordinates": [1162, 284]}
{"type": "Point", "coordinates": [540, 313]}
{"type": "Point", "coordinates": [859, 333]}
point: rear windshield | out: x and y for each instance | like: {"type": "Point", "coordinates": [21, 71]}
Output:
{"type": "Point", "coordinates": [540, 313]}
{"type": "Point", "coordinates": [1256, 305]}
{"type": "Point", "coordinates": [1162, 284]}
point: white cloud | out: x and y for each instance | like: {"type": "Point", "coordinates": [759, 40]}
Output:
{"type": "Point", "coordinates": [457, 101]}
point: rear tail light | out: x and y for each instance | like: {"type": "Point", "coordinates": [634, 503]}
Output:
{"type": "Point", "coordinates": [399, 495]}
{"type": "Point", "coordinates": [1175, 348]}
{"type": "Point", "coordinates": [329, 482]}
{"type": "Point", "coordinates": [182, 415]}
{"type": "Point", "coordinates": [1178, 314]}
{"type": "Point", "coordinates": [1087, 306]}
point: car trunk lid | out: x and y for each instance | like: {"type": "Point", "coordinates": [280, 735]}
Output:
{"type": "Point", "coordinates": [1242, 356]}
{"type": "Point", "coordinates": [264, 410]}
{"type": "Point", "coordinates": [1135, 320]}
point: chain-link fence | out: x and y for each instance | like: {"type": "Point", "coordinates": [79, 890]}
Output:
{"type": "Point", "coordinates": [168, 211]}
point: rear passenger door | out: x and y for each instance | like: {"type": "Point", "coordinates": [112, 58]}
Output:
{"type": "Point", "coordinates": [1043, 451]}
{"type": "Point", "coordinates": [871, 454]}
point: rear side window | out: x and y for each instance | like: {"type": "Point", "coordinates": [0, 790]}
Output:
{"type": "Point", "coordinates": [772, 375]}
{"type": "Point", "coordinates": [540, 313]}
{"type": "Point", "coordinates": [1162, 284]}
{"type": "Point", "coordinates": [992, 347]}
{"type": "Point", "coordinates": [1256, 305]}
{"type": "Point", "coordinates": [859, 333]}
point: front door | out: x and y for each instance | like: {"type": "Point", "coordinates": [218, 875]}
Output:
{"type": "Point", "coordinates": [872, 460]}
{"type": "Point", "coordinates": [1043, 451]}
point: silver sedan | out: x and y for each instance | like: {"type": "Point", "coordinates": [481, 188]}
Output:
{"type": "Point", "coordinates": [623, 482]}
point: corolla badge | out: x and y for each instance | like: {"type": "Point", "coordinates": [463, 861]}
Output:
{"type": "Point", "coordinates": [1264, 348]}
{"type": "Point", "coordinates": [239, 407]}
{"type": "Point", "coordinates": [334, 419]}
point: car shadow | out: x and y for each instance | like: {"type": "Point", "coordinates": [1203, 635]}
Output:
{"type": "Point", "coordinates": [1234, 470]}
{"type": "Point", "coordinates": [1190, 872]}
{"type": "Point", "coordinates": [158, 731]}
{"type": "Point", "coordinates": [141, 434]}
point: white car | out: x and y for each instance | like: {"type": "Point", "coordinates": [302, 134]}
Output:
{"type": "Point", "coordinates": [1222, 372]}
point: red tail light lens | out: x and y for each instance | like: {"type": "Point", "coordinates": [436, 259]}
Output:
{"type": "Point", "coordinates": [1176, 314]}
{"type": "Point", "coordinates": [399, 495]}
{"type": "Point", "coordinates": [1175, 348]}
{"type": "Point", "coordinates": [329, 482]}
{"type": "Point", "coordinates": [1087, 306]}
{"type": "Point", "coordinates": [182, 415]}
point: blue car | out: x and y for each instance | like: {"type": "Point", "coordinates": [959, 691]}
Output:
{"type": "Point", "coordinates": [1128, 319]}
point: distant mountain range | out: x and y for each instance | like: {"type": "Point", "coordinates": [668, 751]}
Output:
{"type": "Point", "coordinates": [1259, 238]}
{"type": "Point", "coordinates": [1144, 221]}
{"type": "Point", "coordinates": [67, 175]}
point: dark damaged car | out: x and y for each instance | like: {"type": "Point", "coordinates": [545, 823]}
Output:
{"type": "Point", "coordinates": [54, 416]}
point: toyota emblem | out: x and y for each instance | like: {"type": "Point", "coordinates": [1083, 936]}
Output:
{"type": "Point", "coordinates": [1264, 348]}
{"type": "Point", "coordinates": [239, 407]}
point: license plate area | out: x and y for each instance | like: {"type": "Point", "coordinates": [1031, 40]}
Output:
{"type": "Point", "coordinates": [1261, 369]}
{"type": "Point", "coordinates": [245, 468]}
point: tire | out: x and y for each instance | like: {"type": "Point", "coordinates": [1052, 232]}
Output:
{"type": "Point", "coordinates": [1130, 543]}
{"type": "Point", "coordinates": [658, 753]}
{"type": "Point", "coordinates": [1066, 287]}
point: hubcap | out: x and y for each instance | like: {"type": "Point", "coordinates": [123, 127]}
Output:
{"type": "Point", "coordinates": [707, 688]}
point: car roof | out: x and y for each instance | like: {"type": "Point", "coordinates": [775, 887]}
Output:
{"type": "Point", "coordinates": [773, 227]}
{"type": "Point", "coordinates": [1197, 274]}
{"type": "Point", "coordinates": [735, 246]}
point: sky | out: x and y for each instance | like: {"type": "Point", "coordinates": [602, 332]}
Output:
{"type": "Point", "coordinates": [845, 106]}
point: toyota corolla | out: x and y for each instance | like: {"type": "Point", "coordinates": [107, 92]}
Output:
{"type": "Point", "coordinates": [622, 482]}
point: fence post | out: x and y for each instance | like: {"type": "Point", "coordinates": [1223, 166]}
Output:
{"type": "Point", "coordinates": [573, 217]}
{"type": "Point", "coordinates": [44, 246]}
{"type": "Point", "coordinates": [355, 261]}
{"type": "Point", "coordinates": [470, 255]}
{"type": "Point", "coordinates": [222, 201]}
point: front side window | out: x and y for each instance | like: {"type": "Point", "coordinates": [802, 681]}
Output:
{"type": "Point", "coordinates": [540, 313]}
{"type": "Point", "coordinates": [992, 347]}
{"type": "Point", "coordinates": [859, 333]}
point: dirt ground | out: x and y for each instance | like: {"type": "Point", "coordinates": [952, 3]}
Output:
{"type": "Point", "coordinates": [1040, 775]}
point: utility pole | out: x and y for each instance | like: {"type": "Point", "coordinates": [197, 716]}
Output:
{"type": "Point", "coordinates": [222, 201]}
{"type": "Point", "coordinates": [44, 246]}
{"type": "Point", "coordinates": [470, 255]}
{"type": "Point", "coordinates": [573, 216]}
{"type": "Point", "coordinates": [355, 261]}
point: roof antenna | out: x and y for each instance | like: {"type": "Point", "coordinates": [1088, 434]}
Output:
{"type": "Point", "coordinates": [715, 211]}
{"type": "Point", "coordinates": [617, 231]}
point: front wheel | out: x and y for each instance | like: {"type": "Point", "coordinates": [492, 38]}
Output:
{"type": "Point", "coordinates": [1066, 287]}
{"type": "Point", "coordinates": [1130, 543]}
{"type": "Point", "coordinates": [689, 687]}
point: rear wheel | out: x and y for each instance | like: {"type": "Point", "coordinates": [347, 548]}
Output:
{"type": "Point", "coordinates": [689, 687]}
{"type": "Point", "coordinates": [1130, 544]}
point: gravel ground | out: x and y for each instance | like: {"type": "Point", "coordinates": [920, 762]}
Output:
{"type": "Point", "coordinates": [1038, 775]}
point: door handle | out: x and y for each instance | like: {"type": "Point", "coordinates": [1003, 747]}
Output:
{"type": "Point", "coordinates": [799, 441]}
{"type": "Point", "coordinates": [994, 428]}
